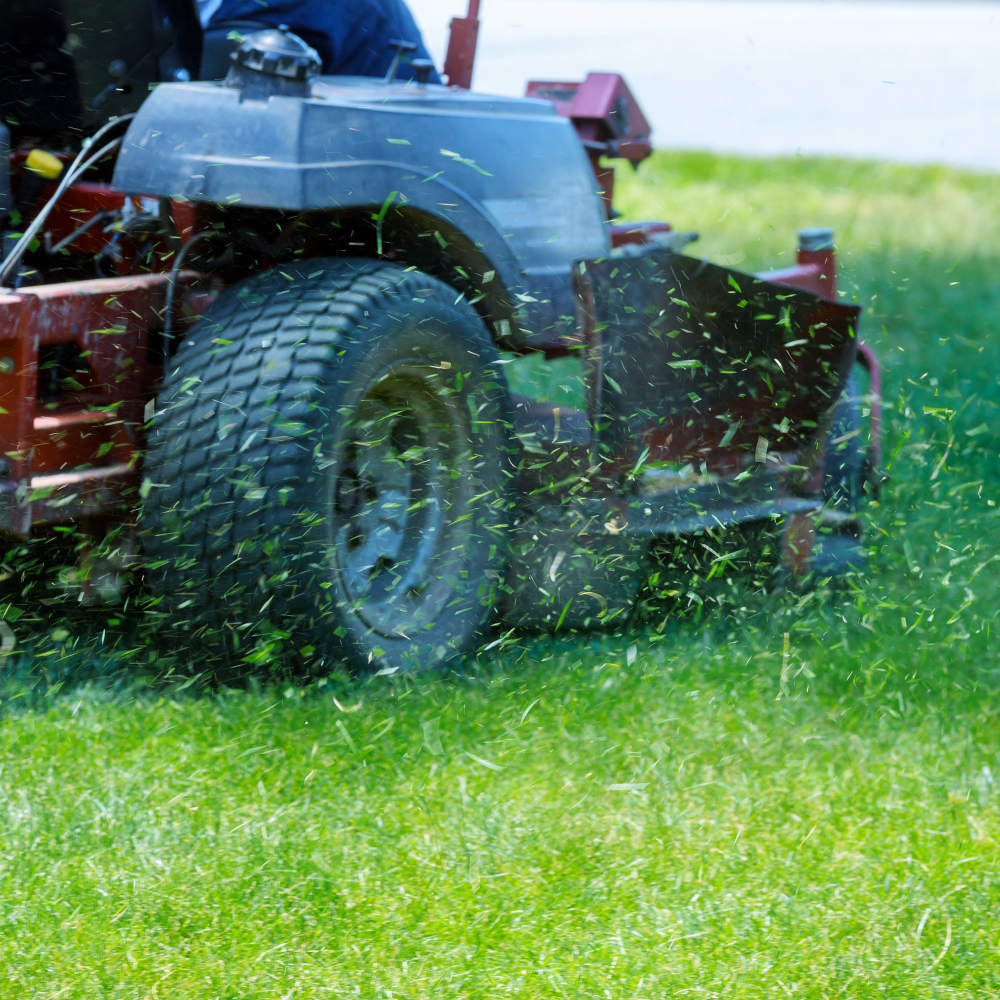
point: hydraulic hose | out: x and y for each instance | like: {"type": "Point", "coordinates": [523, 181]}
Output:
{"type": "Point", "coordinates": [168, 316]}
{"type": "Point", "coordinates": [245, 235]}
{"type": "Point", "coordinates": [11, 264]}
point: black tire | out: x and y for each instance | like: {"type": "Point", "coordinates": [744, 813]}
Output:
{"type": "Point", "coordinates": [333, 457]}
{"type": "Point", "coordinates": [846, 464]}
{"type": "Point", "coordinates": [839, 547]}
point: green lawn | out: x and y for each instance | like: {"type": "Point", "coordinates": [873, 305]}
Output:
{"type": "Point", "coordinates": [784, 797]}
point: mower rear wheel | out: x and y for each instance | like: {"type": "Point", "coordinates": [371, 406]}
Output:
{"type": "Point", "coordinates": [333, 470]}
{"type": "Point", "coordinates": [838, 547]}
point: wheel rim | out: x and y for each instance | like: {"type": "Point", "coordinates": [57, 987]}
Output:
{"type": "Point", "coordinates": [402, 481]}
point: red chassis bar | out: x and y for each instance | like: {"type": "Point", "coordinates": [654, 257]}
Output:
{"type": "Point", "coordinates": [74, 383]}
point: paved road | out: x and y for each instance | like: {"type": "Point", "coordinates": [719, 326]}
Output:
{"type": "Point", "coordinates": [912, 80]}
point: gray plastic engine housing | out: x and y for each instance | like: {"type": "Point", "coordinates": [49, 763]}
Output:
{"type": "Point", "coordinates": [509, 173]}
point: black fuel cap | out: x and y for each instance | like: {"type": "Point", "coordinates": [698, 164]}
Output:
{"type": "Point", "coordinates": [273, 62]}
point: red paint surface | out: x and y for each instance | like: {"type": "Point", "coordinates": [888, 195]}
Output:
{"type": "Point", "coordinates": [606, 114]}
{"type": "Point", "coordinates": [76, 454]}
{"type": "Point", "coordinates": [814, 271]}
{"type": "Point", "coordinates": [78, 205]}
{"type": "Point", "coordinates": [641, 233]}
{"type": "Point", "coordinates": [460, 59]}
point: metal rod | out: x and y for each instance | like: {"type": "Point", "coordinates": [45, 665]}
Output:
{"type": "Point", "coordinates": [168, 314]}
{"type": "Point", "coordinates": [75, 171]}
{"type": "Point", "coordinates": [401, 46]}
{"type": "Point", "coordinates": [76, 234]}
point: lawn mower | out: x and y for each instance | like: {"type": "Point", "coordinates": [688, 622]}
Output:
{"type": "Point", "coordinates": [262, 333]}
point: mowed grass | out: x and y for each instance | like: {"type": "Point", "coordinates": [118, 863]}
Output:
{"type": "Point", "coordinates": [765, 796]}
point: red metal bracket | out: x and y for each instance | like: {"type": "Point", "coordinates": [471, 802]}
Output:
{"type": "Point", "coordinates": [607, 118]}
{"type": "Point", "coordinates": [815, 271]}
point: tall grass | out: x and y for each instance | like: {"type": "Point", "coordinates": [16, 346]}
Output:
{"type": "Point", "coordinates": [789, 796]}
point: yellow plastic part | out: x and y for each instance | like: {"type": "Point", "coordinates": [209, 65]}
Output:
{"type": "Point", "coordinates": [40, 162]}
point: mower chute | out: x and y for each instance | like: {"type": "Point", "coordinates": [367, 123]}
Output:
{"type": "Point", "coordinates": [701, 364]}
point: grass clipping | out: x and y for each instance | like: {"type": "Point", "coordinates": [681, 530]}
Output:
{"type": "Point", "coordinates": [750, 796]}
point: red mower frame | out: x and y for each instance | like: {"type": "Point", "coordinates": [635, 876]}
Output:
{"type": "Point", "coordinates": [76, 455]}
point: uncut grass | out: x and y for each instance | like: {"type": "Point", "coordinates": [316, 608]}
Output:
{"type": "Point", "coordinates": [806, 796]}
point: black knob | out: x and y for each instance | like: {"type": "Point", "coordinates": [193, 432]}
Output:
{"type": "Point", "coordinates": [401, 45]}
{"type": "Point", "coordinates": [817, 238]}
{"type": "Point", "coordinates": [422, 69]}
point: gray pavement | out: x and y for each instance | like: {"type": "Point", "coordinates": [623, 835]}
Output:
{"type": "Point", "coordinates": [909, 80]}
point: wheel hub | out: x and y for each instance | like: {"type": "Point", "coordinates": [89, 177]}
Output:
{"type": "Point", "coordinates": [402, 479]}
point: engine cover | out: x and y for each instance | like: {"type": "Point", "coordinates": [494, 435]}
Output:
{"type": "Point", "coordinates": [509, 173]}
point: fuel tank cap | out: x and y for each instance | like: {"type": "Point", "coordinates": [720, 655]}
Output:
{"type": "Point", "coordinates": [273, 62]}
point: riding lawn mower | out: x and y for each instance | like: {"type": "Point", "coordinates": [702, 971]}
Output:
{"type": "Point", "coordinates": [262, 333]}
